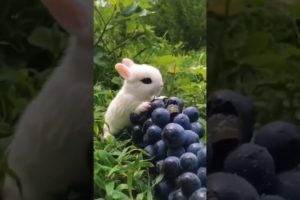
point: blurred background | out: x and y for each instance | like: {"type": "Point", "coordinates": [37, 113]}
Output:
{"type": "Point", "coordinates": [253, 48]}
{"type": "Point", "coordinates": [31, 44]}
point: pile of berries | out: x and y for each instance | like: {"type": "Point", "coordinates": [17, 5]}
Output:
{"type": "Point", "coordinates": [172, 136]}
{"type": "Point", "coordinates": [260, 165]}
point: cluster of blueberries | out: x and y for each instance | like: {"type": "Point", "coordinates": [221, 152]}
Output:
{"type": "Point", "coordinates": [246, 164]}
{"type": "Point", "coordinates": [172, 136]}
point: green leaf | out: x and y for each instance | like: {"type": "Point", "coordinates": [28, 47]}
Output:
{"type": "Point", "coordinates": [140, 196]}
{"type": "Point", "coordinates": [114, 169]}
{"type": "Point", "coordinates": [42, 37]}
{"type": "Point", "coordinates": [131, 9]}
{"type": "Point", "coordinates": [149, 194]}
{"type": "Point", "coordinates": [122, 187]}
{"type": "Point", "coordinates": [99, 58]}
{"type": "Point", "coordinates": [268, 60]}
{"type": "Point", "coordinates": [120, 195]}
{"type": "Point", "coordinates": [145, 4]}
{"type": "Point", "coordinates": [109, 188]}
{"type": "Point", "coordinates": [294, 9]}
{"type": "Point", "coordinates": [131, 26]}
{"type": "Point", "coordinates": [117, 80]}
{"type": "Point", "coordinates": [129, 183]}
{"type": "Point", "coordinates": [158, 179]}
{"type": "Point", "coordinates": [127, 2]}
{"type": "Point", "coordinates": [165, 60]}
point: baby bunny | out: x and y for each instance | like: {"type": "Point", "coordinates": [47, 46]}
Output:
{"type": "Point", "coordinates": [142, 84]}
{"type": "Point", "coordinates": [51, 152]}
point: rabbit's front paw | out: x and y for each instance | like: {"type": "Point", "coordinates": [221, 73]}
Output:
{"type": "Point", "coordinates": [106, 133]}
{"type": "Point", "coordinates": [162, 97]}
{"type": "Point", "coordinates": [143, 107]}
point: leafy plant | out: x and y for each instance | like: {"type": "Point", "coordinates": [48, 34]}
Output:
{"type": "Point", "coordinates": [184, 20]}
{"type": "Point", "coordinates": [120, 172]}
{"type": "Point", "coordinates": [29, 49]}
{"type": "Point", "coordinates": [254, 49]}
{"type": "Point", "coordinates": [124, 29]}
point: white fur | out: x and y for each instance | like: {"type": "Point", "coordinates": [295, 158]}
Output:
{"type": "Point", "coordinates": [49, 151]}
{"type": "Point", "coordinates": [132, 94]}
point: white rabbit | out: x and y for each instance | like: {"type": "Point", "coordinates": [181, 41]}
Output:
{"type": "Point", "coordinates": [51, 151]}
{"type": "Point", "coordinates": [142, 83]}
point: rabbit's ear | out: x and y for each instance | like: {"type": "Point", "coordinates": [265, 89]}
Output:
{"type": "Point", "coordinates": [123, 70]}
{"type": "Point", "coordinates": [128, 62]}
{"type": "Point", "coordinates": [70, 14]}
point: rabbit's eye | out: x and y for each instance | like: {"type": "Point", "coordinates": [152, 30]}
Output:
{"type": "Point", "coordinates": [146, 80]}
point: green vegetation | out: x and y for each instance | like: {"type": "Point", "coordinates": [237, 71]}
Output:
{"type": "Point", "coordinates": [254, 48]}
{"type": "Point", "coordinates": [168, 35]}
{"type": "Point", "coordinates": [29, 49]}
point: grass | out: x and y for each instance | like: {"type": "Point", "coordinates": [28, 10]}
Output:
{"type": "Point", "coordinates": [120, 171]}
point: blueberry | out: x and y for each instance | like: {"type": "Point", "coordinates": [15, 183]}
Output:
{"type": "Point", "coordinates": [197, 128]}
{"type": "Point", "coordinates": [150, 150]}
{"type": "Point", "coordinates": [189, 162]}
{"type": "Point", "coordinates": [146, 140]}
{"type": "Point", "coordinates": [190, 137]}
{"type": "Point", "coordinates": [282, 140]}
{"type": "Point", "coordinates": [192, 113]}
{"type": "Point", "coordinates": [176, 101]}
{"type": "Point", "coordinates": [134, 118]}
{"type": "Point", "coordinates": [173, 135]}
{"type": "Point", "coordinates": [201, 155]}
{"type": "Point", "coordinates": [175, 152]}
{"type": "Point", "coordinates": [271, 197]}
{"type": "Point", "coordinates": [255, 164]}
{"type": "Point", "coordinates": [209, 150]}
{"type": "Point", "coordinates": [140, 145]}
{"type": "Point", "coordinates": [225, 186]}
{"type": "Point", "coordinates": [171, 167]}
{"type": "Point", "coordinates": [199, 194]}
{"type": "Point", "coordinates": [229, 102]}
{"type": "Point", "coordinates": [177, 195]}
{"type": "Point", "coordinates": [224, 127]}
{"type": "Point", "coordinates": [160, 117]}
{"type": "Point", "coordinates": [147, 124]}
{"type": "Point", "coordinates": [163, 189]}
{"type": "Point", "coordinates": [160, 149]}
{"type": "Point", "coordinates": [201, 173]}
{"type": "Point", "coordinates": [195, 147]}
{"type": "Point", "coordinates": [289, 185]}
{"type": "Point", "coordinates": [154, 133]}
{"type": "Point", "coordinates": [182, 120]}
{"type": "Point", "coordinates": [156, 103]}
{"type": "Point", "coordinates": [224, 136]}
{"type": "Point", "coordinates": [173, 110]}
{"type": "Point", "coordinates": [189, 183]}
{"type": "Point", "coordinates": [138, 119]}
{"type": "Point", "coordinates": [137, 134]}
